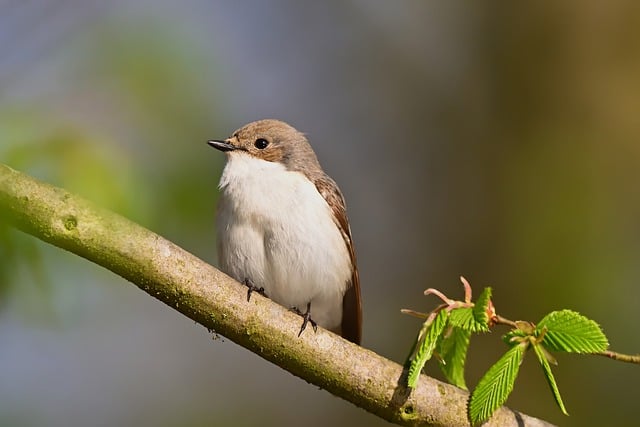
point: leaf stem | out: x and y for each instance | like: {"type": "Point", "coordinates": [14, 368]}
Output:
{"type": "Point", "coordinates": [499, 320]}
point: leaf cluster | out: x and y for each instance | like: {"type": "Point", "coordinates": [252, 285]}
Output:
{"type": "Point", "coordinates": [447, 331]}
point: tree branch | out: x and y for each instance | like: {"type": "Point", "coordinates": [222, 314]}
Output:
{"type": "Point", "coordinates": [217, 302]}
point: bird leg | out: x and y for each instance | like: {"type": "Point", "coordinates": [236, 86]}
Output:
{"type": "Point", "coordinates": [306, 316]}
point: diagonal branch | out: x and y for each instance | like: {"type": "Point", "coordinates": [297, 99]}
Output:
{"type": "Point", "coordinates": [208, 296]}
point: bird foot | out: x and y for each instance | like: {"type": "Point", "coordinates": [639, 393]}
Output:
{"type": "Point", "coordinates": [306, 318]}
{"type": "Point", "coordinates": [253, 288]}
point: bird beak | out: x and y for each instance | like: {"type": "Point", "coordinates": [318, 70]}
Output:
{"type": "Point", "coordinates": [222, 145]}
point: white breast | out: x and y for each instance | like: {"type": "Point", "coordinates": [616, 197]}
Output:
{"type": "Point", "coordinates": [275, 229]}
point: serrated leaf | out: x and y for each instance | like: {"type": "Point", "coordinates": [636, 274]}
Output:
{"type": "Point", "coordinates": [452, 349]}
{"type": "Point", "coordinates": [544, 361]}
{"type": "Point", "coordinates": [424, 346]}
{"type": "Point", "coordinates": [464, 319]}
{"type": "Point", "coordinates": [481, 307]}
{"type": "Point", "coordinates": [496, 385]}
{"type": "Point", "coordinates": [572, 332]}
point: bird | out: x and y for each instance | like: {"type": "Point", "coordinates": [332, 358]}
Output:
{"type": "Point", "coordinates": [282, 227]}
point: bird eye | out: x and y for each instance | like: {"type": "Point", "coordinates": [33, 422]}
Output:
{"type": "Point", "coordinates": [261, 143]}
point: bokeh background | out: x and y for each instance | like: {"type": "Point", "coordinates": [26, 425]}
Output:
{"type": "Point", "coordinates": [497, 141]}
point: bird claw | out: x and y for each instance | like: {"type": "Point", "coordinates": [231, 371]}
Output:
{"type": "Point", "coordinates": [306, 316]}
{"type": "Point", "coordinates": [252, 288]}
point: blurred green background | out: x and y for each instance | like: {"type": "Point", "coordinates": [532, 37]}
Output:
{"type": "Point", "coordinates": [493, 140]}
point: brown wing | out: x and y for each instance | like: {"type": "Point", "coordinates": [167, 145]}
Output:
{"type": "Point", "coordinates": [351, 303]}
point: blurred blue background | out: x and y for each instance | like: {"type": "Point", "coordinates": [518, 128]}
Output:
{"type": "Point", "coordinates": [496, 141]}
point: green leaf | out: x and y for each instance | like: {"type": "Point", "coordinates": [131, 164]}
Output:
{"type": "Point", "coordinates": [569, 331]}
{"type": "Point", "coordinates": [496, 385]}
{"type": "Point", "coordinates": [425, 344]}
{"type": "Point", "coordinates": [464, 319]}
{"type": "Point", "coordinates": [481, 308]}
{"type": "Point", "coordinates": [544, 361]}
{"type": "Point", "coordinates": [452, 349]}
